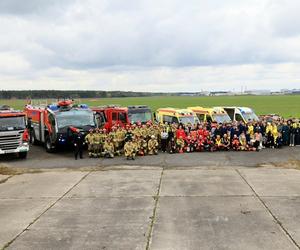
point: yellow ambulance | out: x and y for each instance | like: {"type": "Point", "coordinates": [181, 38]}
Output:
{"type": "Point", "coordinates": [172, 115]}
{"type": "Point", "coordinates": [215, 114]}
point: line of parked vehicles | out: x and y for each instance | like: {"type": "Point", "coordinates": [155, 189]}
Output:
{"type": "Point", "coordinates": [53, 125]}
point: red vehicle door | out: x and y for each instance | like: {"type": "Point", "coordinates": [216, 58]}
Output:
{"type": "Point", "coordinates": [114, 118]}
{"type": "Point", "coordinates": [119, 118]}
{"type": "Point", "coordinates": [123, 119]}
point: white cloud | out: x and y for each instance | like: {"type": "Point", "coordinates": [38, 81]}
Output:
{"type": "Point", "coordinates": [227, 77]}
{"type": "Point", "coordinates": [166, 45]}
{"type": "Point", "coordinates": [12, 63]}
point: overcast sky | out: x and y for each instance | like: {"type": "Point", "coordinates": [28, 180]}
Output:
{"type": "Point", "coordinates": [142, 45]}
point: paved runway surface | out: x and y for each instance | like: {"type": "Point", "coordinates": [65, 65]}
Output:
{"type": "Point", "coordinates": [38, 158]}
{"type": "Point", "coordinates": [152, 208]}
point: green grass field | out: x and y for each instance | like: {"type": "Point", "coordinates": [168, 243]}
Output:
{"type": "Point", "coordinates": [287, 106]}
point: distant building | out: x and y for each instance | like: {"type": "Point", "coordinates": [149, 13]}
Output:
{"type": "Point", "coordinates": [277, 93]}
{"type": "Point", "coordinates": [187, 94]}
{"type": "Point", "coordinates": [258, 92]}
{"type": "Point", "coordinates": [202, 93]}
{"type": "Point", "coordinates": [290, 91]}
{"type": "Point", "coordinates": [220, 93]}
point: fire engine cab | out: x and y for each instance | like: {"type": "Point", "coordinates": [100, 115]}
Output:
{"type": "Point", "coordinates": [13, 132]}
{"type": "Point", "coordinates": [139, 114]}
{"type": "Point", "coordinates": [53, 125]}
{"type": "Point", "coordinates": [111, 115]}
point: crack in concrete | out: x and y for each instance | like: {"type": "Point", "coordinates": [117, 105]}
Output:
{"type": "Point", "coordinates": [207, 196]}
{"type": "Point", "coordinates": [6, 179]}
{"type": "Point", "coordinates": [45, 211]}
{"type": "Point", "coordinates": [153, 217]}
{"type": "Point", "coordinates": [278, 222]}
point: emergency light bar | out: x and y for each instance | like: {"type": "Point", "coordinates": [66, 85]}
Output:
{"type": "Point", "coordinates": [53, 107]}
{"type": "Point", "coordinates": [65, 103]}
{"type": "Point", "coordinates": [65, 107]}
{"type": "Point", "coordinates": [84, 106]}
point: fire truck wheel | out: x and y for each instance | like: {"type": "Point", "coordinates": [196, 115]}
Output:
{"type": "Point", "coordinates": [48, 145]}
{"type": "Point", "coordinates": [22, 155]}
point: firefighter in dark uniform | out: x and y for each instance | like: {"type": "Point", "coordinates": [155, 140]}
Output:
{"type": "Point", "coordinates": [78, 139]}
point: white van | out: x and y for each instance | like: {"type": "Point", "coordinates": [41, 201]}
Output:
{"type": "Point", "coordinates": [244, 114]}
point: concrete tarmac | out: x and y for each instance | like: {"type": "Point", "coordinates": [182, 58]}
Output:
{"type": "Point", "coordinates": [143, 207]}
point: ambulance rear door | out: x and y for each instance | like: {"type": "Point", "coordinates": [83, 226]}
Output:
{"type": "Point", "coordinates": [231, 112]}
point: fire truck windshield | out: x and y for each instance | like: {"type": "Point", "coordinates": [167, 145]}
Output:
{"type": "Point", "coordinates": [12, 123]}
{"type": "Point", "coordinates": [140, 117]}
{"type": "Point", "coordinates": [76, 118]}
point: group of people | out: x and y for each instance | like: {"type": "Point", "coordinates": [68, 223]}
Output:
{"type": "Point", "coordinates": [136, 139]}
{"type": "Point", "coordinates": [147, 139]}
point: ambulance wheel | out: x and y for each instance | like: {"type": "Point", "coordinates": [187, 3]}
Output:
{"type": "Point", "coordinates": [22, 155]}
{"type": "Point", "coordinates": [48, 145]}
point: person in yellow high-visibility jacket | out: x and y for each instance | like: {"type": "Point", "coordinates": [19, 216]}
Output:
{"type": "Point", "coordinates": [250, 130]}
{"type": "Point", "coordinates": [274, 131]}
{"type": "Point", "coordinates": [269, 128]}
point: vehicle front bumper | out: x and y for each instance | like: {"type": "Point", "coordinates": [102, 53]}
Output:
{"type": "Point", "coordinates": [20, 149]}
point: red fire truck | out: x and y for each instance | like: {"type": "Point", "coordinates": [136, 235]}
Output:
{"type": "Point", "coordinates": [13, 132]}
{"type": "Point", "coordinates": [53, 125]}
{"type": "Point", "coordinates": [139, 113]}
{"type": "Point", "coordinates": [111, 115]}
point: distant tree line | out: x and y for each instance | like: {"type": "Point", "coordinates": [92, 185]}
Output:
{"type": "Point", "coordinates": [45, 94]}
